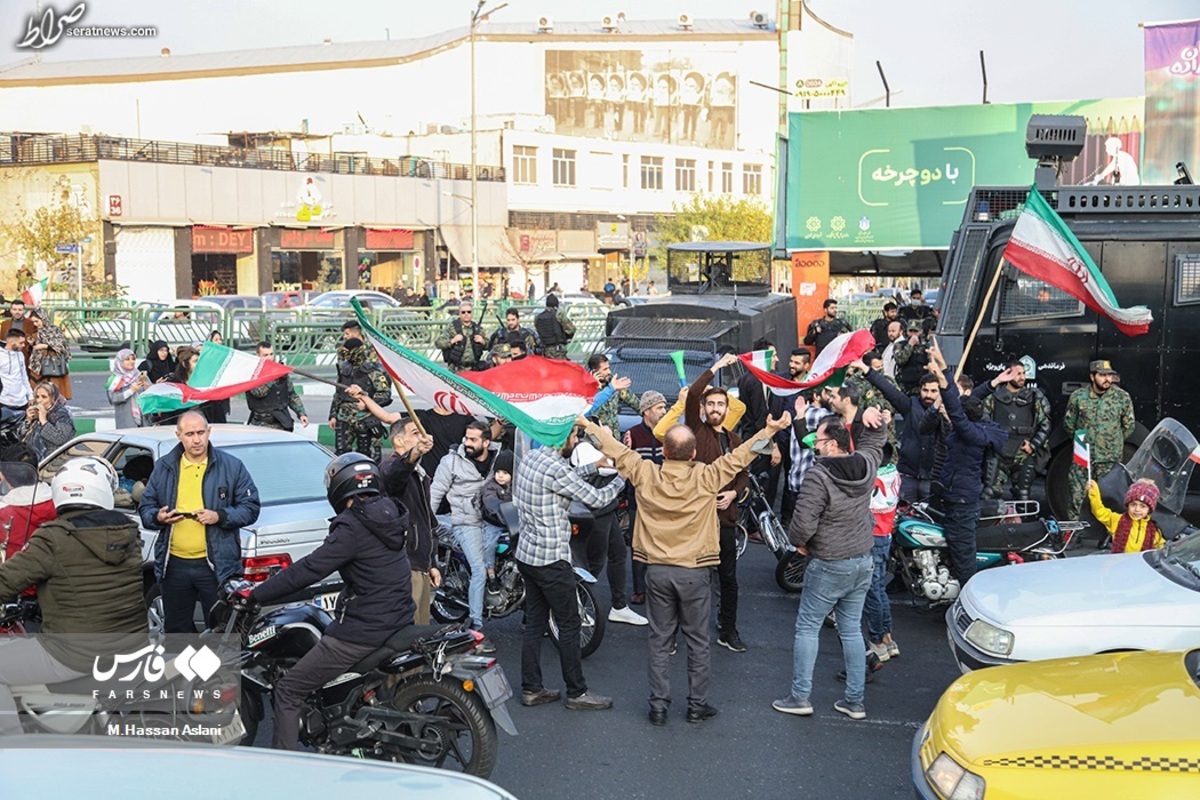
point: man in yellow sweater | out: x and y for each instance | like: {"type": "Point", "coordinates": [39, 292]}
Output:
{"type": "Point", "coordinates": [676, 534]}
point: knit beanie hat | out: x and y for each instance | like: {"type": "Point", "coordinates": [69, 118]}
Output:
{"type": "Point", "coordinates": [1144, 490]}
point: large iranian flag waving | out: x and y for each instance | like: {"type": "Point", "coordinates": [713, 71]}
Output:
{"type": "Point", "coordinates": [829, 368]}
{"type": "Point", "coordinates": [221, 372]}
{"type": "Point", "coordinates": [540, 396]}
{"type": "Point", "coordinates": [1043, 247]}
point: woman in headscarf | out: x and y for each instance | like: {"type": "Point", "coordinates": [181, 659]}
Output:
{"type": "Point", "coordinates": [47, 424]}
{"type": "Point", "coordinates": [159, 363]}
{"type": "Point", "coordinates": [49, 354]}
{"type": "Point", "coordinates": [186, 359]}
{"type": "Point", "coordinates": [124, 386]}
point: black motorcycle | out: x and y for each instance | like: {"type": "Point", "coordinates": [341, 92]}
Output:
{"type": "Point", "coordinates": [451, 603]}
{"type": "Point", "coordinates": [423, 697]}
{"type": "Point", "coordinates": [757, 517]}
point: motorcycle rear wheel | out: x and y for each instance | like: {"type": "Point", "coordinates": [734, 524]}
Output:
{"type": "Point", "coordinates": [592, 620]}
{"type": "Point", "coordinates": [789, 572]}
{"type": "Point", "coordinates": [463, 737]}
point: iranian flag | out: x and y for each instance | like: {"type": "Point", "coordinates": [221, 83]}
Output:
{"type": "Point", "coordinates": [1082, 453]}
{"type": "Point", "coordinates": [221, 372]}
{"type": "Point", "coordinates": [541, 396]}
{"type": "Point", "coordinates": [1044, 248]}
{"type": "Point", "coordinates": [1195, 454]}
{"type": "Point", "coordinates": [829, 368]}
{"type": "Point", "coordinates": [33, 296]}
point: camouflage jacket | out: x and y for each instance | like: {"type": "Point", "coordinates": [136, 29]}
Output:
{"type": "Point", "coordinates": [1107, 420]}
{"type": "Point", "coordinates": [369, 375]}
{"type": "Point", "coordinates": [608, 414]}
{"type": "Point", "coordinates": [873, 398]}
{"type": "Point", "coordinates": [1040, 436]}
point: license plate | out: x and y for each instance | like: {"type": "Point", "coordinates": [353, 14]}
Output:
{"type": "Point", "coordinates": [231, 733]}
{"type": "Point", "coordinates": [493, 686]}
{"type": "Point", "coordinates": [327, 601]}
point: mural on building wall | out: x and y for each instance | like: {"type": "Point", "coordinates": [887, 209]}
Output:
{"type": "Point", "coordinates": [644, 96]}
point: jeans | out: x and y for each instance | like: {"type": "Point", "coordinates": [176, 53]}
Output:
{"type": "Point", "coordinates": [185, 581]}
{"type": "Point", "coordinates": [727, 577]}
{"type": "Point", "coordinates": [478, 546]}
{"type": "Point", "coordinates": [841, 587]}
{"type": "Point", "coordinates": [551, 589]}
{"type": "Point", "coordinates": [959, 523]}
{"type": "Point", "coordinates": [913, 489]}
{"type": "Point", "coordinates": [878, 610]}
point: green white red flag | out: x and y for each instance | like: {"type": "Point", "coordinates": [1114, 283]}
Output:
{"type": "Point", "coordinates": [828, 369]}
{"type": "Point", "coordinates": [1082, 454]}
{"type": "Point", "coordinates": [220, 373]}
{"type": "Point", "coordinates": [541, 396]}
{"type": "Point", "coordinates": [36, 292]}
{"type": "Point", "coordinates": [1043, 247]}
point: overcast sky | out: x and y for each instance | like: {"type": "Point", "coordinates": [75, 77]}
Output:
{"type": "Point", "coordinates": [1035, 49]}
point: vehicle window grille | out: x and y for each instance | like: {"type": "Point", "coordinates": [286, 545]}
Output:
{"type": "Point", "coordinates": [956, 305]}
{"type": "Point", "coordinates": [1187, 279]}
{"type": "Point", "coordinates": [668, 332]}
{"type": "Point", "coordinates": [1024, 297]}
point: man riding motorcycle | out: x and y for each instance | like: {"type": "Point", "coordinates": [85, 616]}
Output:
{"type": "Point", "coordinates": [87, 566]}
{"type": "Point", "coordinates": [366, 545]}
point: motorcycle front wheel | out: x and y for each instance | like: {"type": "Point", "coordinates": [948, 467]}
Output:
{"type": "Point", "coordinates": [449, 604]}
{"type": "Point", "coordinates": [591, 618]}
{"type": "Point", "coordinates": [789, 572]}
{"type": "Point", "coordinates": [460, 734]}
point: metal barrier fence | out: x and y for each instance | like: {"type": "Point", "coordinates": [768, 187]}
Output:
{"type": "Point", "coordinates": [303, 337]}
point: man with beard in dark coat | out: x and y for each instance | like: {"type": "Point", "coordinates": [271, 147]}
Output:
{"type": "Point", "coordinates": [406, 481]}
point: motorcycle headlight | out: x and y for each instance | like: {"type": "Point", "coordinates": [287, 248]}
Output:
{"type": "Point", "coordinates": [989, 638]}
{"type": "Point", "coordinates": [954, 781]}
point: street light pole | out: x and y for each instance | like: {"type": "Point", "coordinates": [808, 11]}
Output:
{"type": "Point", "coordinates": [476, 16]}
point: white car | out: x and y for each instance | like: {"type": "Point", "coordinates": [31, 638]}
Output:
{"type": "Point", "coordinates": [1079, 606]}
{"type": "Point", "coordinates": [339, 300]}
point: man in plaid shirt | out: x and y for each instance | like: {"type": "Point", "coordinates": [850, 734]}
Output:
{"type": "Point", "coordinates": [543, 487]}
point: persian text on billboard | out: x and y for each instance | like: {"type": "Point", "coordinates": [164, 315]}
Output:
{"type": "Point", "coordinates": [643, 96]}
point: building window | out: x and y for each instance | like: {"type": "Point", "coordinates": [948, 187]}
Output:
{"type": "Point", "coordinates": [711, 171]}
{"type": "Point", "coordinates": [524, 164]}
{"type": "Point", "coordinates": [752, 179]}
{"type": "Point", "coordinates": [685, 174]}
{"type": "Point", "coordinates": [727, 177]}
{"type": "Point", "coordinates": [652, 172]}
{"type": "Point", "coordinates": [625, 171]}
{"type": "Point", "coordinates": [564, 167]}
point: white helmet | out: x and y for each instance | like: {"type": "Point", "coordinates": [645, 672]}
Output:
{"type": "Point", "coordinates": [84, 481]}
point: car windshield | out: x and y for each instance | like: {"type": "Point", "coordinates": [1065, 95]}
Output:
{"type": "Point", "coordinates": [1185, 554]}
{"type": "Point", "coordinates": [654, 369]}
{"type": "Point", "coordinates": [284, 472]}
{"type": "Point", "coordinates": [331, 301]}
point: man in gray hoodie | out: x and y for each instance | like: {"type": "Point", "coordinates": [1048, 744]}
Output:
{"type": "Point", "coordinates": [832, 525]}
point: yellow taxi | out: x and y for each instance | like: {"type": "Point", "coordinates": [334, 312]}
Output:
{"type": "Point", "coordinates": [1122, 725]}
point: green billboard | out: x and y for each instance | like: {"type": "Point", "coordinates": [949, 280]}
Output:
{"type": "Point", "coordinates": [877, 179]}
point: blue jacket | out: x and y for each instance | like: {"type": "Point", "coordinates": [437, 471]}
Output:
{"type": "Point", "coordinates": [966, 445]}
{"type": "Point", "coordinates": [227, 488]}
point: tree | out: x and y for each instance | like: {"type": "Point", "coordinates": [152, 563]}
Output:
{"type": "Point", "coordinates": [713, 218]}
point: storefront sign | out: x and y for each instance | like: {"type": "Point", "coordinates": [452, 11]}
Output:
{"type": "Point", "coordinates": [389, 239]}
{"type": "Point", "coordinates": [221, 240]}
{"type": "Point", "coordinates": [612, 234]}
{"type": "Point", "coordinates": [115, 207]}
{"type": "Point", "coordinates": [810, 286]}
{"type": "Point", "coordinates": [306, 239]}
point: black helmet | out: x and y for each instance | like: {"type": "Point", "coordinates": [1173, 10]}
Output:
{"type": "Point", "coordinates": [350, 475]}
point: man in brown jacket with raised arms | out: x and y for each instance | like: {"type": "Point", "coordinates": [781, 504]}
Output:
{"type": "Point", "coordinates": [676, 534]}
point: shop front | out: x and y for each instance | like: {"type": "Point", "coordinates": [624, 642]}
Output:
{"type": "Point", "coordinates": [308, 258]}
{"type": "Point", "coordinates": [391, 258]}
{"type": "Point", "coordinates": [223, 261]}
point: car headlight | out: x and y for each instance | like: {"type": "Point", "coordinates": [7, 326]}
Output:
{"type": "Point", "coordinates": [989, 638]}
{"type": "Point", "coordinates": [954, 781]}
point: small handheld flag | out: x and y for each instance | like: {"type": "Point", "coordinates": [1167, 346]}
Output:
{"type": "Point", "coordinates": [677, 357]}
{"type": "Point", "coordinates": [1083, 453]}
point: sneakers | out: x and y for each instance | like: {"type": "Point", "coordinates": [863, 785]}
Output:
{"type": "Point", "coordinates": [701, 713]}
{"type": "Point", "coordinates": [793, 705]}
{"type": "Point", "coordinates": [892, 648]}
{"type": "Point", "coordinates": [732, 641]}
{"type": "Point", "coordinates": [880, 650]}
{"type": "Point", "coordinates": [540, 697]}
{"type": "Point", "coordinates": [628, 616]}
{"type": "Point", "coordinates": [588, 701]}
{"type": "Point", "coordinates": [851, 710]}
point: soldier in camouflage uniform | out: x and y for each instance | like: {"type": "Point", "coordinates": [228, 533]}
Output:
{"type": "Point", "coordinates": [608, 413]}
{"type": "Point", "coordinates": [1023, 410]}
{"type": "Point", "coordinates": [1104, 413]}
{"type": "Point", "coordinates": [270, 402]}
{"type": "Point", "coordinates": [911, 354]}
{"type": "Point", "coordinates": [356, 429]}
{"type": "Point", "coordinates": [873, 398]}
{"type": "Point", "coordinates": [463, 341]}
{"type": "Point", "coordinates": [512, 328]}
{"type": "Point", "coordinates": [554, 329]}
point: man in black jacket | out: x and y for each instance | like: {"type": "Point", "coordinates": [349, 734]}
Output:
{"type": "Point", "coordinates": [366, 545]}
{"type": "Point", "coordinates": [407, 482]}
{"type": "Point", "coordinates": [824, 330]}
{"type": "Point", "coordinates": [916, 448]}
